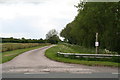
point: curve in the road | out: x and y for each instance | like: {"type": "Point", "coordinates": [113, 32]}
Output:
{"type": "Point", "coordinates": [34, 61]}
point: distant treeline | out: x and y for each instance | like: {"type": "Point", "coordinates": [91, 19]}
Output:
{"type": "Point", "coordinates": [22, 40]}
{"type": "Point", "coordinates": [92, 18]}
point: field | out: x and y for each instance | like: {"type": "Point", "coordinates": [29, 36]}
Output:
{"type": "Point", "coordinates": [67, 48]}
{"type": "Point", "coordinates": [11, 50]}
{"type": "Point", "coordinates": [14, 46]}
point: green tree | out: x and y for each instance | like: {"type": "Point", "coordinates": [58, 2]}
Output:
{"type": "Point", "coordinates": [101, 17]}
{"type": "Point", "coordinates": [52, 37]}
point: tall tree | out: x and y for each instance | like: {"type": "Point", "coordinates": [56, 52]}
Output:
{"type": "Point", "coordinates": [52, 36]}
{"type": "Point", "coordinates": [101, 17]}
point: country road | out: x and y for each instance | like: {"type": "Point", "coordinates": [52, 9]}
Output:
{"type": "Point", "coordinates": [34, 62]}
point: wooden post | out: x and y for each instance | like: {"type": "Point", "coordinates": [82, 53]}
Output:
{"type": "Point", "coordinates": [96, 43]}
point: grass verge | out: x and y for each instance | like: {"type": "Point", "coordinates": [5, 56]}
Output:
{"type": "Point", "coordinates": [9, 55]}
{"type": "Point", "coordinates": [51, 53]}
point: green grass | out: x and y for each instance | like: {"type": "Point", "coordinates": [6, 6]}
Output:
{"type": "Point", "coordinates": [9, 55]}
{"type": "Point", "coordinates": [51, 53]}
{"type": "Point", "coordinates": [81, 49]}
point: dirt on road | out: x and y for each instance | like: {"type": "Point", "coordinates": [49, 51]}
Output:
{"type": "Point", "coordinates": [34, 61]}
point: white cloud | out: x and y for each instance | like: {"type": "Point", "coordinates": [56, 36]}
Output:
{"type": "Point", "coordinates": [40, 18]}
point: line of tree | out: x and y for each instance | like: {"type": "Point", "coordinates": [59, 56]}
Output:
{"type": "Point", "coordinates": [22, 40]}
{"type": "Point", "coordinates": [51, 37]}
{"type": "Point", "coordinates": [101, 17]}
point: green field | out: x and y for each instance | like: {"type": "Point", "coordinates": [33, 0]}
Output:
{"type": "Point", "coordinates": [14, 46]}
{"type": "Point", "coordinates": [9, 55]}
{"type": "Point", "coordinates": [67, 48]}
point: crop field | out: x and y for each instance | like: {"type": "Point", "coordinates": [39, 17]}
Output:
{"type": "Point", "coordinates": [11, 50]}
{"type": "Point", "coordinates": [14, 46]}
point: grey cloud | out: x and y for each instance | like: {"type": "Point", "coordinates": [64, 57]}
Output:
{"type": "Point", "coordinates": [42, 1]}
{"type": "Point", "coordinates": [23, 1]}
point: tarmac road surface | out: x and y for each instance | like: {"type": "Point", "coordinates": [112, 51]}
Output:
{"type": "Point", "coordinates": [34, 62]}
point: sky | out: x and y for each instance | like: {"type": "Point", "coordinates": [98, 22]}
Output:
{"type": "Point", "coordinates": [34, 18]}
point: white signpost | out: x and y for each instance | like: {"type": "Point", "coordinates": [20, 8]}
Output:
{"type": "Point", "coordinates": [96, 43]}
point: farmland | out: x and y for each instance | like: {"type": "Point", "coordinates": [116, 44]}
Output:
{"type": "Point", "coordinates": [14, 46]}
{"type": "Point", "coordinates": [11, 50]}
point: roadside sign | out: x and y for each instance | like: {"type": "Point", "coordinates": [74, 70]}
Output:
{"type": "Point", "coordinates": [96, 43]}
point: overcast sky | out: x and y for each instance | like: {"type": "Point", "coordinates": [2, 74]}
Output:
{"type": "Point", "coordinates": [34, 18]}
